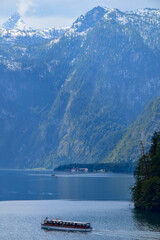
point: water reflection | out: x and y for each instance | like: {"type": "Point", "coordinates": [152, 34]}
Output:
{"type": "Point", "coordinates": [146, 220]}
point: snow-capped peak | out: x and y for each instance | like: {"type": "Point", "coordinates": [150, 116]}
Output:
{"type": "Point", "coordinates": [15, 22]}
{"type": "Point", "coordinates": [88, 20]}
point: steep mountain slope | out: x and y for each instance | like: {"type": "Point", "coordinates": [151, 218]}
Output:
{"type": "Point", "coordinates": [15, 22]}
{"type": "Point", "coordinates": [128, 149]}
{"type": "Point", "coordinates": [72, 98]}
{"type": "Point", "coordinates": [103, 94]}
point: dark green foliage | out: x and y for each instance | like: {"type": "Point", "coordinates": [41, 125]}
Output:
{"type": "Point", "coordinates": [146, 192]}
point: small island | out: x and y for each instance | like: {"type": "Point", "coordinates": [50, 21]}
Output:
{"type": "Point", "coordinates": [146, 192]}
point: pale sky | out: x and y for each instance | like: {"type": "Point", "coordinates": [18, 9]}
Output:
{"type": "Point", "coordinates": [54, 13]}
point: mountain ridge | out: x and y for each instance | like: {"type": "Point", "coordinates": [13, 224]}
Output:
{"type": "Point", "coordinates": [72, 98]}
{"type": "Point", "coordinates": [85, 22]}
{"type": "Point", "coordinates": [15, 31]}
{"type": "Point", "coordinates": [15, 22]}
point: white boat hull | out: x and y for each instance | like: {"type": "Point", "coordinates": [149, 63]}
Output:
{"type": "Point", "coordinates": [65, 228]}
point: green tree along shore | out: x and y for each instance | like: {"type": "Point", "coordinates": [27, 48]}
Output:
{"type": "Point", "coordinates": [146, 192]}
{"type": "Point", "coordinates": [122, 167]}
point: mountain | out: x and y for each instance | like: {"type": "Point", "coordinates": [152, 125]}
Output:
{"type": "Point", "coordinates": [15, 22]}
{"type": "Point", "coordinates": [145, 21]}
{"type": "Point", "coordinates": [73, 98]}
{"type": "Point", "coordinates": [15, 31]}
{"type": "Point", "coordinates": [128, 149]}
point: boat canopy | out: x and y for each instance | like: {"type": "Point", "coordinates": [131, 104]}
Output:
{"type": "Point", "coordinates": [64, 221]}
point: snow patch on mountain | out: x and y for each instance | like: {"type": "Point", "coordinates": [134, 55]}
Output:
{"type": "Point", "coordinates": [145, 21]}
{"type": "Point", "coordinates": [15, 22]}
{"type": "Point", "coordinates": [115, 14]}
{"type": "Point", "coordinates": [52, 42]}
{"type": "Point", "coordinates": [123, 20]}
{"type": "Point", "coordinates": [28, 37]}
{"type": "Point", "coordinates": [16, 31]}
{"type": "Point", "coordinates": [13, 66]}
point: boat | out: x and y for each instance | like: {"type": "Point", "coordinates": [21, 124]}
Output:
{"type": "Point", "coordinates": [63, 225]}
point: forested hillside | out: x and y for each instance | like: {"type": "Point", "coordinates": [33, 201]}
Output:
{"type": "Point", "coordinates": [76, 97]}
{"type": "Point", "coordinates": [128, 149]}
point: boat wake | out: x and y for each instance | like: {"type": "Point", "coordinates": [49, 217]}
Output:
{"type": "Point", "coordinates": [135, 235]}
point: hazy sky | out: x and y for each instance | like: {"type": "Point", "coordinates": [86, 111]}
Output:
{"type": "Point", "coordinates": [50, 13]}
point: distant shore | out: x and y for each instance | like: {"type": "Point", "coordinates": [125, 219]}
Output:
{"type": "Point", "coordinates": [98, 167]}
{"type": "Point", "coordinates": [85, 168]}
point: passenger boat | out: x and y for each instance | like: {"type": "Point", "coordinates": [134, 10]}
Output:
{"type": "Point", "coordinates": [62, 225]}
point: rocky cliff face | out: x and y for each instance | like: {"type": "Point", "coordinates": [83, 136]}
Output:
{"type": "Point", "coordinates": [72, 98]}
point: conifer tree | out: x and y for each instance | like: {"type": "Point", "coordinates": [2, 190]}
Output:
{"type": "Point", "coordinates": [146, 192]}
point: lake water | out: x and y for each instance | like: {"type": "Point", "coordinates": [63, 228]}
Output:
{"type": "Point", "coordinates": [102, 199]}
{"type": "Point", "coordinates": [33, 185]}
